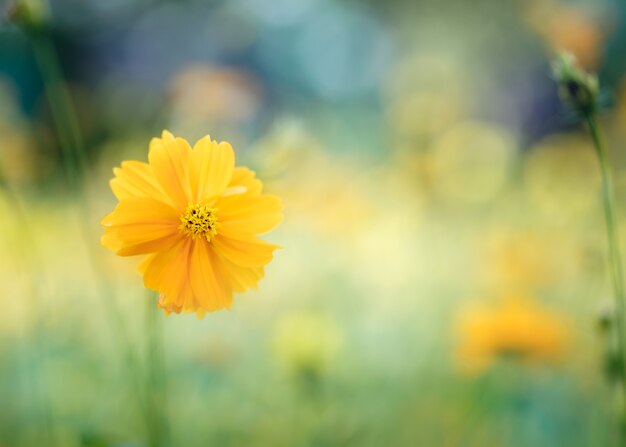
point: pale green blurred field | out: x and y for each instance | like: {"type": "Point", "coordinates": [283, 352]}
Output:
{"type": "Point", "coordinates": [370, 284]}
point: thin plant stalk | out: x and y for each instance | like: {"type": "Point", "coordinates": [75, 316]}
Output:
{"type": "Point", "coordinates": [73, 159]}
{"type": "Point", "coordinates": [580, 90]}
{"type": "Point", "coordinates": [158, 424]}
{"type": "Point", "coordinates": [63, 114]}
{"type": "Point", "coordinates": [617, 272]}
{"type": "Point", "coordinates": [74, 162]}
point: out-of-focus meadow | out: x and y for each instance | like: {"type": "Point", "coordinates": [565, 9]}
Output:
{"type": "Point", "coordinates": [443, 277]}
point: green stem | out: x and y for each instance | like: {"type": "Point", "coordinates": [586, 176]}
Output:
{"type": "Point", "coordinates": [614, 251]}
{"type": "Point", "coordinates": [74, 162]}
{"type": "Point", "coordinates": [62, 110]}
{"type": "Point", "coordinates": [72, 146]}
{"type": "Point", "coordinates": [157, 423]}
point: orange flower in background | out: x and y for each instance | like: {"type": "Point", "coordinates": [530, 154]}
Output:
{"type": "Point", "coordinates": [517, 327]}
{"type": "Point", "coordinates": [570, 27]}
{"type": "Point", "coordinates": [196, 216]}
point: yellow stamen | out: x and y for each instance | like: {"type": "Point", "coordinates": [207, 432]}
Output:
{"type": "Point", "coordinates": [199, 220]}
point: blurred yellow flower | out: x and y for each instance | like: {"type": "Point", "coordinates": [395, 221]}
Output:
{"type": "Point", "coordinates": [196, 217]}
{"type": "Point", "coordinates": [424, 94]}
{"type": "Point", "coordinates": [471, 162]}
{"type": "Point", "coordinates": [518, 327]}
{"type": "Point", "coordinates": [306, 343]}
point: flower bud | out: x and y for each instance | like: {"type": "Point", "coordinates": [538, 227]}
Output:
{"type": "Point", "coordinates": [577, 88]}
{"type": "Point", "coordinates": [28, 14]}
{"type": "Point", "coordinates": [605, 317]}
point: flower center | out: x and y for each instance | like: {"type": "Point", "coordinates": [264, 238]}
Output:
{"type": "Point", "coordinates": [199, 220]}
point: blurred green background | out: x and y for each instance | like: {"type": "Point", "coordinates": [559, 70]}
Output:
{"type": "Point", "coordinates": [443, 279]}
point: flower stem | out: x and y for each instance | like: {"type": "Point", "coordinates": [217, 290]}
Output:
{"type": "Point", "coordinates": [62, 110]}
{"type": "Point", "coordinates": [74, 162]}
{"type": "Point", "coordinates": [158, 424]}
{"type": "Point", "coordinates": [614, 252]}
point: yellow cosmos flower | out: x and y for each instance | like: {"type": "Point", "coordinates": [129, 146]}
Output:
{"type": "Point", "coordinates": [196, 216]}
{"type": "Point", "coordinates": [518, 327]}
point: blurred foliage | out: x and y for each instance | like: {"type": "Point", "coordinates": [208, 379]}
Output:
{"type": "Point", "coordinates": [428, 172]}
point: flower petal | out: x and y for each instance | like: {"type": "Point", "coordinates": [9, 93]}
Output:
{"type": "Point", "coordinates": [210, 285]}
{"type": "Point", "coordinates": [111, 242]}
{"type": "Point", "coordinates": [242, 278]}
{"type": "Point", "coordinates": [136, 179]}
{"type": "Point", "coordinates": [169, 158]}
{"type": "Point", "coordinates": [211, 168]}
{"type": "Point", "coordinates": [168, 273]}
{"type": "Point", "coordinates": [141, 225]}
{"type": "Point", "coordinates": [246, 177]}
{"type": "Point", "coordinates": [244, 251]}
{"type": "Point", "coordinates": [249, 214]}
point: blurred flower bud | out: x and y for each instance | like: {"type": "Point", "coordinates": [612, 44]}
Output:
{"type": "Point", "coordinates": [28, 14]}
{"type": "Point", "coordinates": [605, 317]}
{"type": "Point", "coordinates": [306, 344]}
{"type": "Point", "coordinates": [577, 88]}
{"type": "Point", "coordinates": [613, 367]}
